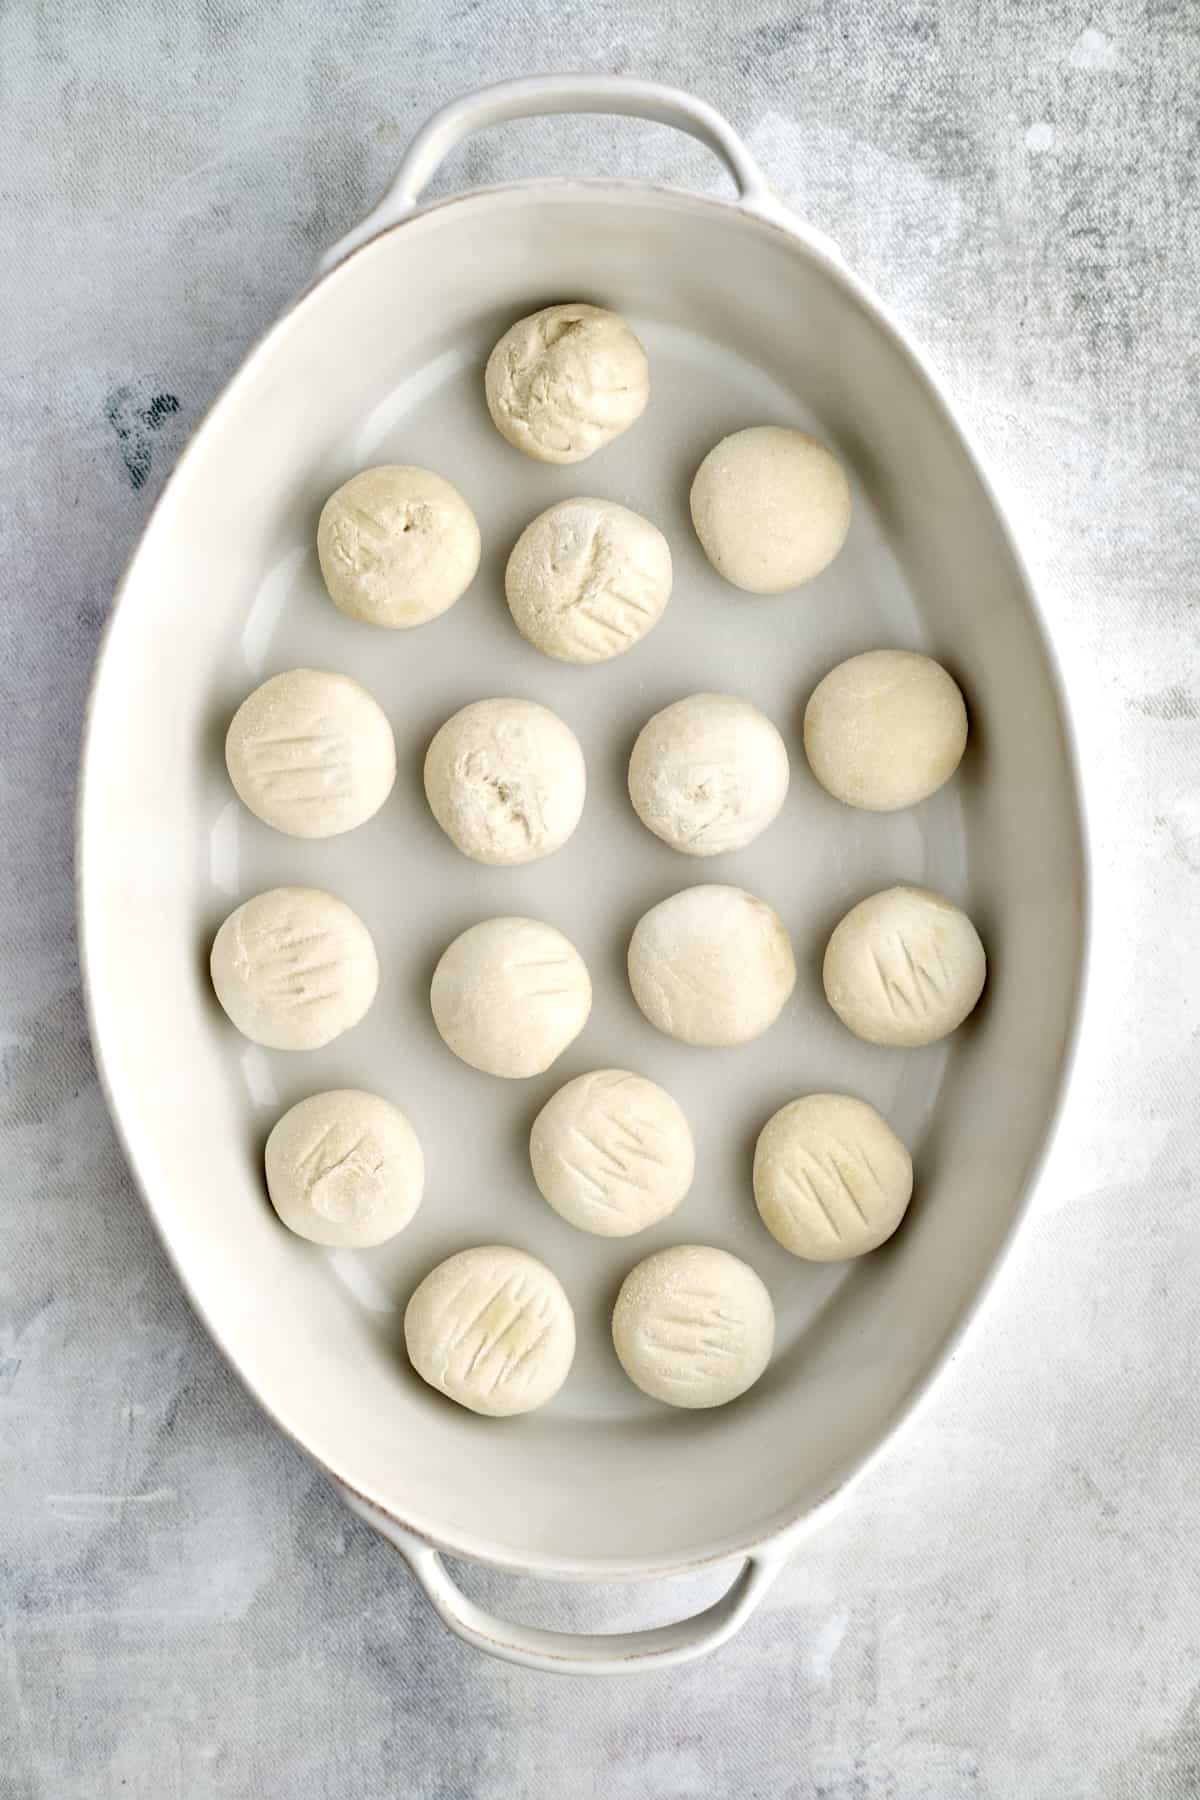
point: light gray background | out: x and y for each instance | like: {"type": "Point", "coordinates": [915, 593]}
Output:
{"type": "Point", "coordinates": [1010, 1604]}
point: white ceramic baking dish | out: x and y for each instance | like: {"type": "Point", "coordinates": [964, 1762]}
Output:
{"type": "Point", "coordinates": [749, 316]}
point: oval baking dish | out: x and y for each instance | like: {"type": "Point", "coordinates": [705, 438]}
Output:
{"type": "Point", "coordinates": [748, 315]}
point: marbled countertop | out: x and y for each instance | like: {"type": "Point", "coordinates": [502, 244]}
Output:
{"type": "Point", "coordinates": [1009, 1605]}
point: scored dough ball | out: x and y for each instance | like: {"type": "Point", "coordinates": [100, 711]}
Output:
{"type": "Point", "coordinates": [612, 1153]}
{"type": "Point", "coordinates": [831, 1178]}
{"type": "Point", "coordinates": [566, 381]}
{"type": "Point", "coordinates": [311, 753]}
{"type": "Point", "coordinates": [509, 995]}
{"type": "Point", "coordinates": [904, 967]}
{"type": "Point", "coordinates": [345, 1168]}
{"type": "Point", "coordinates": [492, 1329]}
{"type": "Point", "coordinates": [294, 968]}
{"type": "Point", "coordinates": [506, 780]}
{"type": "Point", "coordinates": [885, 730]}
{"type": "Point", "coordinates": [693, 1326]}
{"type": "Point", "coordinates": [588, 579]}
{"type": "Point", "coordinates": [711, 965]}
{"type": "Point", "coordinates": [397, 546]}
{"type": "Point", "coordinates": [708, 774]}
{"type": "Point", "coordinates": [771, 507]}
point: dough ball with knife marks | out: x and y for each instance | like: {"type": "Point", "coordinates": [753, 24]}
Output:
{"type": "Point", "coordinates": [904, 967]}
{"type": "Point", "coordinates": [587, 579]}
{"type": "Point", "coordinates": [294, 968]}
{"type": "Point", "coordinates": [693, 1326]}
{"type": "Point", "coordinates": [509, 995]}
{"type": "Point", "coordinates": [345, 1168]}
{"type": "Point", "coordinates": [831, 1178]}
{"type": "Point", "coordinates": [492, 1329]}
{"type": "Point", "coordinates": [311, 753]}
{"type": "Point", "coordinates": [397, 546]}
{"type": "Point", "coordinates": [612, 1153]}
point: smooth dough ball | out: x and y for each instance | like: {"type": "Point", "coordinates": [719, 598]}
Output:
{"type": "Point", "coordinates": [588, 579]}
{"type": "Point", "coordinates": [612, 1153]}
{"type": "Point", "coordinates": [492, 1329]}
{"type": "Point", "coordinates": [771, 508]}
{"type": "Point", "coordinates": [506, 780]}
{"type": "Point", "coordinates": [693, 1326]}
{"type": "Point", "coordinates": [885, 730]}
{"type": "Point", "coordinates": [345, 1168]}
{"type": "Point", "coordinates": [904, 967]}
{"type": "Point", "coordinates": [708, 774]}
{"type": "Point", "coordinates": [294, 968]}
{"type": "Point", "coordinates": [566, 381]}
{"type": "Point", "coordinates": [711, 965]}
{"type": "Point", "coordinates": [397, 546]}
{"type": "Point", "coordinates": [831, 1178]}
{"type": "Point", "coordinates": [311, 753]}
{"type": "Point", "coordinates": [509, 995]}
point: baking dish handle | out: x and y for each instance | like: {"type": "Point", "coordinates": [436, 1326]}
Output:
{"type": "Point", "coordinates": [568, 1652]}
{"type": "Point", "coordinates": [536, 96]}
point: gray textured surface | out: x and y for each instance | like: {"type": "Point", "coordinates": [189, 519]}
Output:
{"type": "Point", "coordinates": [1010, 1604]}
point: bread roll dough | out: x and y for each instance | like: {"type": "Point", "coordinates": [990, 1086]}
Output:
{"type": "Point", "coordinates": [506, 780]}
{"type": "Point", "coordinates": [397, 546]}
{"type": "Point", "coordinates": [693, 1326]}
{"type": "Point", "coordinates": [904, 967]}
{"type": "Point", "coordinates": [492, 1329]}
{"type": "Point", "coordinates": [885, 730]}
{"type": "Point", "coordinates": [509, 995]}
{"type": "Point", "coordinates": [588, 579]}
{"type": "Point", "coordinates": [311, 753]}
{"type": "Point", "coordinates": [711, 965]}
{"type": "Point", "coordinates": [345, 1168]}
{"type": "Point", "coordinates": [708, 774]}
{"type": "Point", "coordinates": [771, 507]}
{"type": "Point", "coordinates": [566, 381]}
{"type": "Point", "coordinates": [831, 1178]}
{"type": "Point", "coordinates": [612, 1153]}
{"type": "Point", "coordinates": [294, 968]}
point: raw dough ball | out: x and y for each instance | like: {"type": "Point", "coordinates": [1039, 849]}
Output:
{"type": "Point", "coordinates": [771, 508]}
{"type": "Point", "coordinates": [294, 968]}
{"type": "Point", "coordinates": [397, 546]}
{"type": "Point", "coordinates": [492, 1329]}
{"type": "Point", "coordinates": [612, 1153]}
{"type": "Point", "coordinates": [711, 965]}
{"type": "Point", "coordinates": [904, 967]}
{"type": "Point", "coordinates": [345, 1168]}
{"type": "Point", "coordinates": [506, 781]}
{"type": "Point", "coordinates": [831, 1178]}
{"type": "Point", "coordinates": [708, 774]}
{"type": "Point", "coordinates": [311, 753]}
{"type": "Point", "coordinates": [509, 995]}
{"type": "Point", "coordinates": [566, 381]}
{"type": "Point", "coordinates": [587, 580]}
{"type": "Point", "coordinates": [885, 730]}
{"type": "Point", "coordinates": [693, 1326]}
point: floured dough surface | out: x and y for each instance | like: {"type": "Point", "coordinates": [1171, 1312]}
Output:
{"type": "Point", "coordinates": [294, 968]}
{"type": "Point", "coordinates": [506, 781]}
{"type": "Point", "coordinates": [311, 753]}
{"type": "Point", "coordinates": [509, 995]}
{"type": "Point", "coordinates": [492, 1329]}
{"type": "Point", "coordinates": [708, 774]}
{"type": "Point", "coordinates": [831, 1178]}
{"type": "Point", "coordinates": [612, 1153]}
{"type": "Point", "coordinates": [397, 546]}
{"type": "Point", "coordinates": [711, 965]}
{"type": "Point", "coordinates": [904, 967]}
{"type": "Point", "coordinates": [693, 1326]}
{"type": "Point", "coordinates": [345, 1168]}
{"type": "Point", "coordinates": [771, 507]}
{"type": "Point", "coordinates": [885, 730]}
{"type": "Point", "coordinates": [565, 381]}
{"type": "Point", "coordinates": [587, 579]}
